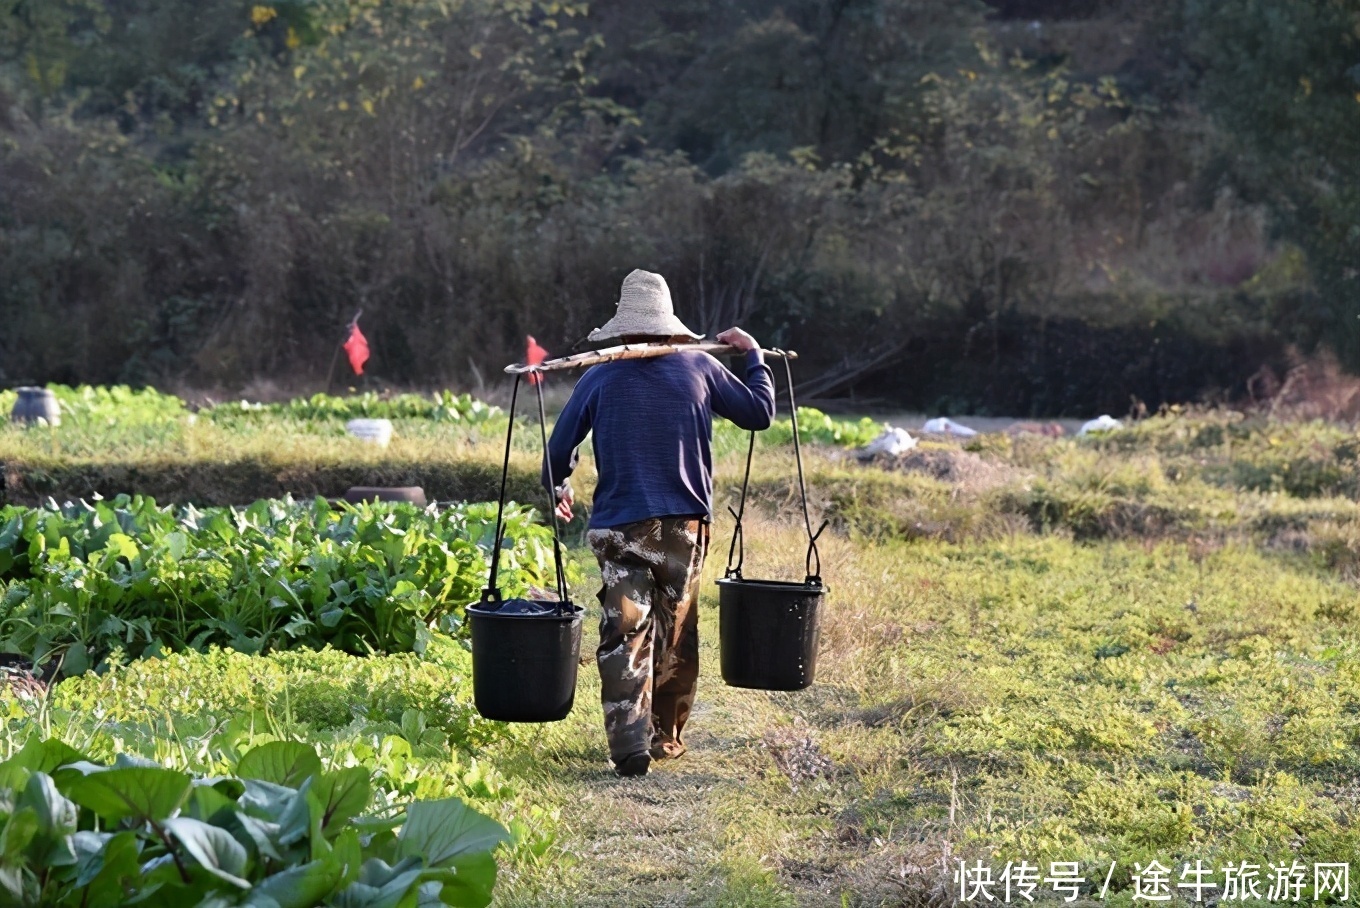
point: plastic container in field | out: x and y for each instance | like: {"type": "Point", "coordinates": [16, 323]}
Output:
{"type": "Point", "coordinates": [36, 405]}
{"type": "Point", "coordinates": [377, 431]}
{"type": "Point", "coordinates": [525, 652]}
{"type": "Point", "coordinates": [524, 659]}
{"type": "Point", "coordinates": [769, 631]}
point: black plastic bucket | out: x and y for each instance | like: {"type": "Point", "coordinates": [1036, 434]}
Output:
{"type": "Point", "coordinates": [524, 666]}
{"type": "Point", "coordinates": [768, 632]}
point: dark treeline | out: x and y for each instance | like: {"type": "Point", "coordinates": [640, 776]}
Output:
{"type": "Point", "coordinates": [1032, 206]}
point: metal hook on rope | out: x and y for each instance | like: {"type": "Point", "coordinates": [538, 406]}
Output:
{"type": "Point", "coordinates": [814, 575]}
{"type": "Point", "coordinates": [738, 545]}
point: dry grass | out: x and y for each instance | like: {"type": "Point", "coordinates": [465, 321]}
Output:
{"type": "Point", "coordinates": [949, 464]}
{"type": "Point", "coordinates": [1312, 388]}
{"type": "Point", "coordinates": [973, 699]}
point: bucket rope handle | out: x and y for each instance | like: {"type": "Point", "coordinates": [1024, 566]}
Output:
{"type": "Point", "coordinates": [492, 593]}
{"type": "Point", "coordinates": [552, 501]}
{"type": "Point", "coordinates": [738, 546]}
{"type": "Point", "coordinates": [813, 561]}
{"type": "Point", "coordinates": [814, 574]}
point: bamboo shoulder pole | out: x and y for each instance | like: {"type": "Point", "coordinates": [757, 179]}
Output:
{"type": "Point", "coordinates": [630, 351]}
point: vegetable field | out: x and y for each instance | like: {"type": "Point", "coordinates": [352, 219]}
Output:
{"type": "Point", "coordinates": [280, 828]}
{"type": "Point", "coordinates": [85, 579]}
{"type": "Point", "coordinates": [1136, 647]}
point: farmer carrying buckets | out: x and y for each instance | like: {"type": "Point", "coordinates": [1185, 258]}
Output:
{"type": "Point", "coordinates": [649, 529]}
{"type": "Point", "coordinates": [650, 403]}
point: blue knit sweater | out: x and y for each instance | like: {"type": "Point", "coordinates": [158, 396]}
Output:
{"type": "Point", "coordinates": [652, 421]}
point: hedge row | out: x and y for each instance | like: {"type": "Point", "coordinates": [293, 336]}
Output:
{"type": "Point", "coordinates": [240, 481]}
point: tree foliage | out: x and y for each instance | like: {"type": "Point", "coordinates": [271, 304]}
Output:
{"type": "Point", "coordinates": [1284, 76]}
{"type": "Point", "coordinates": [207, 192]}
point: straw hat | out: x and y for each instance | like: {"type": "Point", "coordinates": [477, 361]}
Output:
{"type": "Point", "coordinates": [645, 308]}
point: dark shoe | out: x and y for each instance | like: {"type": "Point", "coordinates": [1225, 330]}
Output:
{"type": "Point", "coordinates": [636, 765]}
{"type": "Point", "coordinates": [667, 750]}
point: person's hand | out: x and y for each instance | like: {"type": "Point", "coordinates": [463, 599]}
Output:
{"type": "Point", "coordinates": [735, 337]}
{"type": "Point", "coordinates": [565, 500]}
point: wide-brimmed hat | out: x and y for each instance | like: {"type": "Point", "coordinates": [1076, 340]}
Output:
{"type": "Point", "coordinates": [645, 308]}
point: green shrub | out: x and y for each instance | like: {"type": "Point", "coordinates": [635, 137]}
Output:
{"type": "Point", "coordinates": [814, 426]}
{"type": "Point", "coordinates": [441, 406]}
{"type": "Point", "coordinates": [88, 405]}
{"type": "Point", "coordinates": [119, 403]}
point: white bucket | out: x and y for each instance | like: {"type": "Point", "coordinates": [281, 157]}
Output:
{"type": "Point", "coordinates": [378, 431]}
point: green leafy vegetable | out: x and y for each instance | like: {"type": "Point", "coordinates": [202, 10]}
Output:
{"type": "Point", "coordinates": [265, 843]}
{"type": "Point", "coordinates": [80, 580]}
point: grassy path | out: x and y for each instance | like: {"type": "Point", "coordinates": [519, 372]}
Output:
{"type": "Point", "coordinates": [746, 817]}
{"type": "Point", "coordinates": [1021, 699]}
{"type": "Point", "coordinates": [757, 813]}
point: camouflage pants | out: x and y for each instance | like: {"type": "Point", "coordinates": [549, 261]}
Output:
{"type": "Point", "coordinates": [649, 630]}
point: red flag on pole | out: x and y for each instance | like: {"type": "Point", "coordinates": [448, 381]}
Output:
{"type": "Point", "coordinates": [356, 348]}
{"type": "Point", "coordinates": [533, 355]}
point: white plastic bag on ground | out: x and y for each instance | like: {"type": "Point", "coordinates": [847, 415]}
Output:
{"type": "Point", "coordinates": [943, 425]}
{"type": "Point", "coordinates": [377, 431]}
{"type": "Point", "coordinates": [892, 443]}
{"type": "Point", "coordinates": [1103, 423]}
